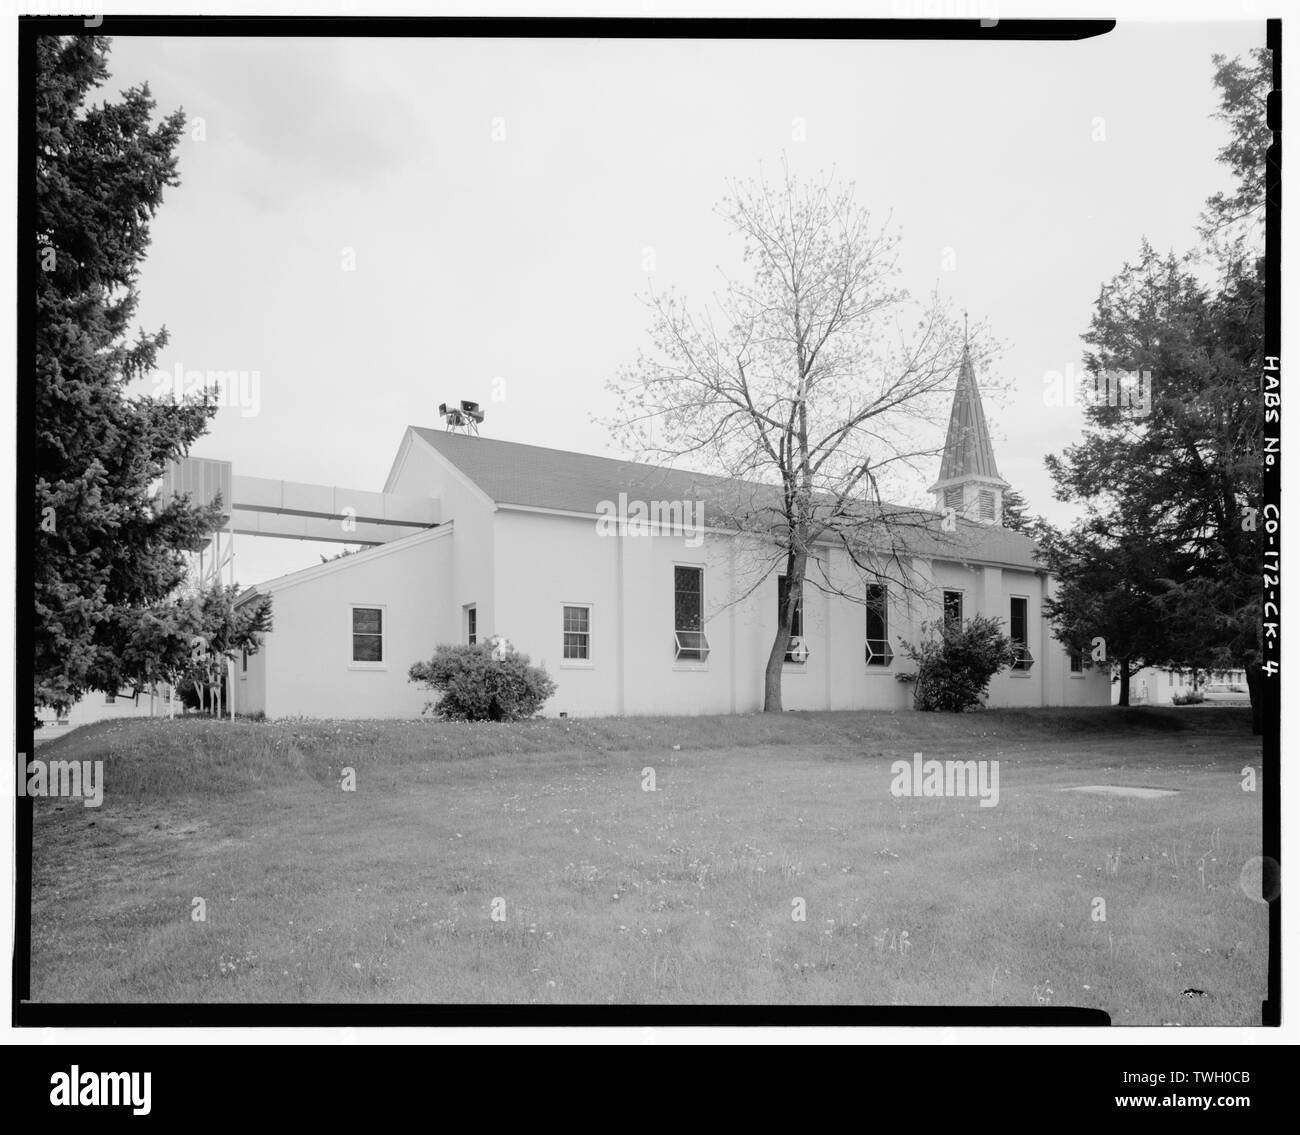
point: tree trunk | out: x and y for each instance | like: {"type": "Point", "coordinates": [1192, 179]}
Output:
{"type": "Point", "coordinates": [795, 567]}
{"type": "Point", "coordinates": [772, 675]}
{"type": "Point", "coordinates": [1123, 681]}
{"type": "Point", "coordinates": [798, 496]}
{"type": "Point", "coordinates": [1255, 684]}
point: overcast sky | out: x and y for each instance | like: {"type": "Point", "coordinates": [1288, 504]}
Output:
{"type": "Point", "coordinates": [521, 258]}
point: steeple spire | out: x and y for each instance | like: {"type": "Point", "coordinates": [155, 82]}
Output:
{"type": "Point", "coordinates": [969, 482]}
{"type": "Point", "coordinates": [969, 450]}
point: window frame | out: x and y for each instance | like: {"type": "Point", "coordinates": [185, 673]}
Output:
{"type": "Point", "coordinates": [690, 657]}
{"type": "Point", "coordinates": [879, 608]}
{"type": "Point", "coordinates": [364, 664]}
{"type": "Point", "coordinates": [588, 662]}
{"type": "Point", "coordinates": [797, 621]}
{"type": "Point", "coordinates": [1025, 659]}
{"type": "Point", "coordinates": [961, 605]}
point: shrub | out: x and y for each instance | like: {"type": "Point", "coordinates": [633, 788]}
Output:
{"type": "Point", "coordinates": [955, 664]}
{"type": "Point", "coordinates": [1192, 697]}
{"type": "Point", "coordinates": [483, 682]}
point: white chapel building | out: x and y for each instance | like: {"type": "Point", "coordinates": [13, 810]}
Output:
{"type": "Point", "coordinates": [627, 622]}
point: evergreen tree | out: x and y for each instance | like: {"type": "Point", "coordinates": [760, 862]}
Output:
{"type": "Point", "coordinates": [1106, 588]}
{"type": "Point", "coordinates": [105, 551]}
{"type": "Point", "coordinates": [1015, 511]}
{"type": "Point", "coordinates": [1170, 490]}
{"type": "Point", "coordinates": [1243, 85]}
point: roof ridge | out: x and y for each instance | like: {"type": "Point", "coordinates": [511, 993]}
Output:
{"type": "Point", "coordinates": [649, 466]}
{"type": "Point", "coordinates": [518, 474]}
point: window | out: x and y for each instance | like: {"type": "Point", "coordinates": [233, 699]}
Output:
{"type": "Point", "coordinates": [1020, 633]}
{"type": "Point", "coordinates": [577, 634]}
{"type": "Point", "coordinates": [110, 699]}
{"type": "Point", "coordinates": [367, 634]}
{"type": "Point", "coordinates": [1076, 662]}
{"type": "Point", "coordinates": [879, 652]}
{"type": "Point", "coordinates": [471, 625]}
{"type": "Point", "coordinates": [952, 497]}
{"type": "Point", "coordinates": [796, 650]}
{"type": "Point", "coordinates": [986, 504]}
{"type": "Point", "coordinates": [244, 662]}
{"type": "Point", "coordinates": [688, 614]}
{"type": "Point", "coordinates": [952, 608]}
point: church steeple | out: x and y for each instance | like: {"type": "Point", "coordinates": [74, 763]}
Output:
{"type": "Point", "coordinates": [969, 482]}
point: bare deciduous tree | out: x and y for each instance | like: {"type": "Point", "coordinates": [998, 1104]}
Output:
{"type": "Point", "coordinates": [810, 386]}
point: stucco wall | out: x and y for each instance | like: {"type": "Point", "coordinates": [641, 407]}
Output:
{"type": "Point", "coordinates": [250, 684]}
{"type": "Point", "coordinates": [547, 561]}
{"type": "Point", "coordinates": [305, 667]}
{"type": "Point", "coordinates": [471, 575]}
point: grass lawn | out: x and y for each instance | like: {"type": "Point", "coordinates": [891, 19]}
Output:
{"type": "Point", "coordinates": [607, 893]}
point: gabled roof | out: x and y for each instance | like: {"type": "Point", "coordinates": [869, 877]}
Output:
{"type": "Point", "coordinates": [968, 451]}
{"type": "Point", "coordinates": [531, 476]}
{"type": "Point", "coordinates": [343, 562]}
